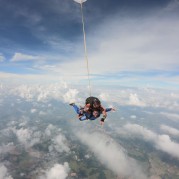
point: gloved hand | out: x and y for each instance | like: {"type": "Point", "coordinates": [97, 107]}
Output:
{"type": "Point", "coordinates": [102, 119]}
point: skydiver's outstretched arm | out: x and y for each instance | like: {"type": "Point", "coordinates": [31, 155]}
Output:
{"type": "Point", "coordinates": [107, 110]}
{"type": "Point", "coordinates": [110, 109]}
{"type": "Point", "coordinates": [104, 117]}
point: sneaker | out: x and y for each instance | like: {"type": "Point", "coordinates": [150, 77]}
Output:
{"type": "Point", "coordinates": [71, 104]}
{"type": "Point", "coordinates": [80, 115]}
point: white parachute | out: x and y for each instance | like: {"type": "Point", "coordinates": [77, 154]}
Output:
{"type": "Point", "coordinates": [80, 1]}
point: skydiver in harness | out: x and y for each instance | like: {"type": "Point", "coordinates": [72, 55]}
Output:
{"type": "Point", "coordinates": [92, 110]}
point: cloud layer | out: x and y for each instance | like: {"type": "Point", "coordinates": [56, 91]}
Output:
{"type": "Point", "coordinates": [160, 142]}
{"type": "Point", "coordinates": [111, 154]}
{"type": "Point", "coordinates": [170, 130]}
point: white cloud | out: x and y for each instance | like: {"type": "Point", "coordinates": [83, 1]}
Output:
{"type": "Point", "coordinates": [27, 137]}
{"type": "Point", "coordinates": [41, 93]}
{"type": "Point", "coordinates": [137, 45]}
{"type": "Point", "coordinates": [133, 117]}
{"type": "Point", "coordinates": [111, 154]}
{"type": "Point", "coordinates": [133, 45]}
{"type": "Point", "coordinates": [58, 171]}
{"type": "Point", "coordinates": [2, 58]}
{"type": "Point", "coordinates": [170, 130]}
{"type": "Point", "coordinates": [104, 96]}
{"type": "Point", "coordinates": [23, 135]}
{"type": "Point", "coordinates": [161, 142]}
{"type": "Point", "coordinates": [49, 130]}
{"type": "Point", "coordinates": [142, 97]}
{"type": "Point", "coordinates": [23, 124]}
{"type": "Point", "coordinates": [134, 100]}
{"type": "Point", "coordinates": [31, 79]}
{"type": "Point", "coordinates": [60, 143]}
{"type": "Point", "coordinates": [70, 95]}
{"type": "Point", "coordinates": [18, 57]}
{"type": "Point", "coordinates": [33, 110]}
{"type": "Point", "coordinates": [4, 173]}
{"type": "Point", "coordinates": [171, 116]}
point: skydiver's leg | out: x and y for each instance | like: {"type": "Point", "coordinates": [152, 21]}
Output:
{"type": "Point", "coordinates": [82, 118]}
{"type": "Point", "coordinates": [76, 108]}
{"type": "Point", "coordinates": [82, 115]}
{"type": "Point", "coordinates": [93, 118]}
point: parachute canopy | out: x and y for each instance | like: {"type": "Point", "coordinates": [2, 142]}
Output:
{"type": "Point", "coordinates": [80, 1]}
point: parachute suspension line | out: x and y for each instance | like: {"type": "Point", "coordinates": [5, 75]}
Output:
{"type": "Point", "coordinates": [85, 48]}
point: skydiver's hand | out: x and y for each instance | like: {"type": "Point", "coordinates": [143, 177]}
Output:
{"type": "Point", "coordinates": [102, 121]}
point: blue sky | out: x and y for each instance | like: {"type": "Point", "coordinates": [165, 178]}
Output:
{"type": "Point", "coordinates": [129, 42]}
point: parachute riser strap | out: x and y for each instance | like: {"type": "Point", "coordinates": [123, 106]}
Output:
{"type": "Point", "coordinates": [85, 49]}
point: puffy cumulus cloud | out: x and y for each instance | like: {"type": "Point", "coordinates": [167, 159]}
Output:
{"type": "Point", "coordinates": [23, 124]}
{"type": "Point", "coordinates": [41, 93]}
{"type": "Point", "coordinates": [70, 95]}
{"type": "Point", "coordinates": [33, 110]}
{"type": "Point", "coordinates": [170, 130]}
{"type": "Point", "coordinates": [161, 142]}
{"type": "Point", "coordinates": [18, 57]}
{"type": "Point", "coordinates": [58, 171]}
{"type": "Point", "coordinates": [167, 145]}
{"type": "Point", "coordinates": [104, 96]}
{"type": "Point", "coordinates": [60, 143]}
{"type": "Point", "coordinates": [133, 116]}
{"type": "Point", "coordinates": [111, 154]}
{"type": "Point", "coordinates": [141, 97]}
{"type": "Point", "coordinates": [50, 130]}
{"type": "Point", "coordinates": [27, 137]}
{"type": "Point", "coordinates": [23, 135]}
{"type": "Point", "coordinates": [134, 100]}
{"type": "Point", "coordinates": [4, 172]}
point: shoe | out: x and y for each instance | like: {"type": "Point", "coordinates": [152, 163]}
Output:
{"type": "Point", "coordinates": [80, 115]}
{"type": "Point", "coordinates": [71, 104]}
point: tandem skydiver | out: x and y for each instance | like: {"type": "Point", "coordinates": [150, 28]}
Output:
{"type": "Point", "coordinates": [92, 110]}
